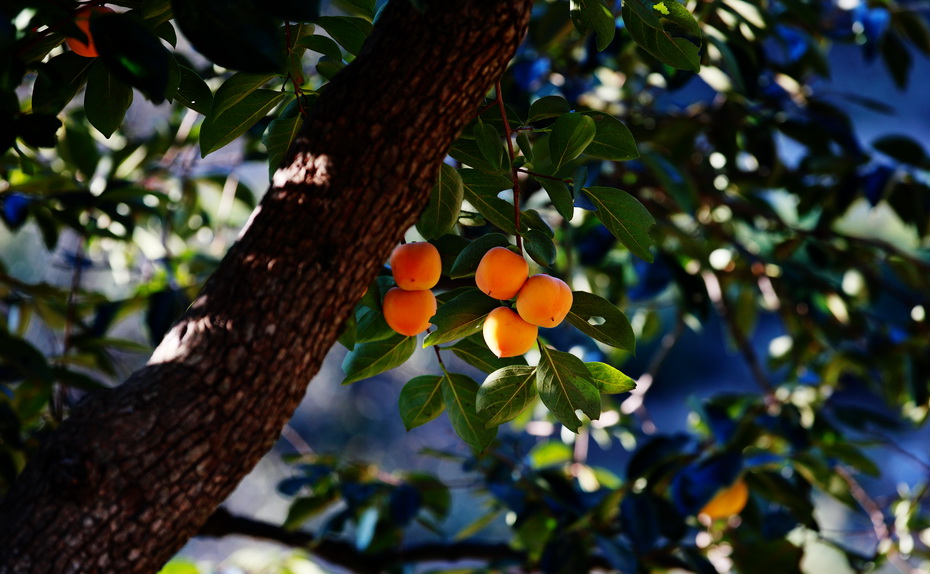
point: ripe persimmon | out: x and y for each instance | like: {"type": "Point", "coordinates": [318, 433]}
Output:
{"type": "Point", "coordinates": [82, 18]}
{"type": "Point", "coordinates": [416, 266]}
{"type": "Point", "coordinates": [506, 334]}
{"type": "Point", "coordinates": [544, 300]}
{"type": "Point", "coordinates": [501, 273]}
{"type": "Point", "coordinates": [408, 312]}
{"type": "Point", "coordinates": [728, 501]}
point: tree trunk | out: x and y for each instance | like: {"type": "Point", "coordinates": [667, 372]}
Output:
{"type": "Point", "coordinates": [135, 471]}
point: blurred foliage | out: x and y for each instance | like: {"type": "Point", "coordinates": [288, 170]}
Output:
{"type": "Point", "coordinates": [768, 208]}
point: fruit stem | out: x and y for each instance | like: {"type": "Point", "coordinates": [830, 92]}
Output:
{"type": "Point", "coordinates": [514, 172]}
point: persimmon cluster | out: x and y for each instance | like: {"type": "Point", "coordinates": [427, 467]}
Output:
{"type": "Point", "coordinates": [408, 307]}
{"type": "Point", "coordinates": [542, 301]}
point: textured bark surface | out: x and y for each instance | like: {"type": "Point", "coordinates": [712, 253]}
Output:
{"type": "Point", "coordinates": [134, 472]}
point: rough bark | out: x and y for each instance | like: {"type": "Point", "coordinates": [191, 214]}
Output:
{"type": "Point", "coordinates": [135, 471]}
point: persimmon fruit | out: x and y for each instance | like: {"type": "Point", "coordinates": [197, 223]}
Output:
{"type": "Point", "coordinates": [408, 312]}
{"type": "Point", "coordinates": [728, 501]}
{"type": "Point", "coordinates": [82, 18]}
{"type": "Point", "coordinates": [506, 334]}
{"type": "Point", "coordinates": [416, 266]}
{"type": "Point", "coordinates": [501, 273]}
{"type": "Point", "coordinates": [544, 300]}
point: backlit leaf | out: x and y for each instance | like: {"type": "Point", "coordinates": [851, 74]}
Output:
{"type": "Point", "coordinates": [445, 203]}
{"type": "Point", "coordinates": [369, 359]}
{"type": "Point", "coordinates": [570, 135]}
{"type": "Point", "coordinates": [609, 380]}
{"type": "Point", "coordinates": [420, 400]}
{"type": "Point", "coordinates": [506, 393]}
{"type": "Point", "coordinates": [565, 386]}
{"type": "Point", "coordinates": [625, 217]}
{"type": "Point", "coordinates": [349, 32]}
{"type": "Point", "coordinates": [219, 130]}
{"type": "Point", "coordinates": [106, 99]}
{"type": "Point", "coordinates": [459, 393]}
{"type": "Point", "coordinates": [600, 319]}
{"type": "Point", "coordinates": [278, 139]}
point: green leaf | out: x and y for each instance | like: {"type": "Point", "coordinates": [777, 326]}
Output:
{"type": "Point", "coordinates": [58, 81]}
{"type": "Point", "coordinates": [902, 148]}
{"type": "Point", "coordinates": [534, 221]}
{"type": "Point", "coordinates": [560, 196]}
{"type": "Point", "coordinates": [106, 99]}
{"type": "Point", "coordinates": [490, 144]}
{"type": "Point", "coordinates": [475, 352]}
{"type": "Point", "coordinates": [193, 92]}
{"type": "Point", "coordinates": [565, 386]}
{"type": "Point", "coordinates": [348, 31]}
{"type": "Point", "coordinates": [548, 107]}
{"type": "Point", "coordinates": [237, 88]}
{"type": "Point", "coordinates": [445, 203]}
{"type": "Point", "coordinates": [420, 400]}
{"type": "Point", "coordinates": [597, 17]}
{"type": "Point", "coordinates": [570, 135]}
{"type": "Point", "coordinates": [609, 380]}
{"type": "Point", "coordinates": [370, 359]}
{"type": "Point", "coordinates": [540, 247]}
{"type": "Point", "coordinates": [133, 53]}
{"type": "Point", "coordinates": [321, 45]}
{"type": "Point", "coordinates": [481, 191]}
{"type": "Point", "coordinates": [654, 30]}
{"type": "Point", "coordinates": [236, 34]}
{"type": "Point", "coordinates": [466, 264]}
{"type": "Point", "coordinates": [306, 507]}
{"type": "Point", "coordinates": [506, 393]}
{"type": "Point", "coordinates": [625, 217]}
{"type": "Point", "coordinates": [523, 142]}
{"type": "Point", "coordinates": [219, 130]}
{"type": "Point", "coordinates": [278, 139]}
{"type": "Point", "coordinates": [459, 393]}
{"type": "Point", "coordinates": [460, 317]}
{"type": "Point", "coordinates": [468, 153]}
{"type": "Point", "coordinates": [612, 140]}
{"type": "Point", "coordinates": [600, 319]}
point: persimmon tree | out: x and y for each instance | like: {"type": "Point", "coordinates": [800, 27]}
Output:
{"type": "Point", "coordinates": [473, 125]}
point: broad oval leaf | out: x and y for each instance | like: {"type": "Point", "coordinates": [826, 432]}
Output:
{"type": "Point", "coordinates": [348, 31]}
{"type": "Point", "coordinates": [625, 217]}
{"type": "Point", "coordinates": [560, 196]}
{"type": "Point", "coordinates": [106, 99]}
{"type": "Point", "coordinates": [321, 45]}
{"type": "Point", "coordinates": [489, 143]}
{"type": "Point", "coordinates": [595, 16]}
{"type": "Point", "coordinates": [466, 264]}
{"type": "Point", "coordinates": [506, 393]}
{"type": "Point", "coordinates": [369, 359]}
{"type": "Point", "coordinates": [278, 139]}
{"type": "Point", "coordinates": [58, 81]}
{"type": "Point", "coordinates": [460, 317]}
{"type": "Point", "coordinates": [420, 400]}
{"type": "Point", "coordinates": [481, 191]}
{"type": "Point", "coordinates": [236, 34]}
{"type": "Point", "coordinates": [445, 203]}
{"type": "Point", "coordinates": [193, 92]}
{"type": "Point", "coordinates": [565, 386]}
{"type": "Point", "coordinates": [540, 247]}
{"type": "Point", "coordinates": [237, 88]}
{"type": "Point", "coordinates": [475, 352]}
{"type": "Point", "coordinates": [646, 23]}
{"type": "Point", "coordinates": [611, 328]}
{"type": "Point", "coordinates": [612, 140]}
{"type": "Point", "coordinates": [609, 380]}
{"type": "Point", "coordinates": [570, 135]}
{"type": "Point", "coordinates": [218, 131]}
{"type": "Point", "coordinates": [133, 53]}
{"type": "Point", "coordinates": [459, 393]}
{"type": "Point", "coordinates": [548, 107]}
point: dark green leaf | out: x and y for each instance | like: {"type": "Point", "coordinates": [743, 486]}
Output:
{"type": "Point", "coordinates": [321, 45]}
{"type": "Point", "coordinates": [193, 92]}
{"type": "Point", "coordinates": [278, 139]}
{"type": "Point", "coordinates": [466, 264]}
{"type": "Point", "coordinates": [600, 319]}
{"type": "Point", "coordinates": [38, 130]}
{"type": "Point", "coordinates": [565, 386]}
{"type": "Point", "coordinates": [236, 34]}
{"type": "Point", "coordinates": [609, 380]}
{"type": "Point", "coordinates": [475, 352]}
{"type": "Point", "coordinates": [612, 140]}
{"type": "Point", "coordinates": [58, 81]}
{"type": "Point", "coordinates": [348, 31]}
{"type": "Point", "coordinates": [468, 153]}
{"type": "Point", "coordinates": [460, 317]}
{"type": "Point", "coordinates": [548, 107]}
{"type": "Point", "coordinates": [132, 53]}
{"type": "Point", "coordinates": [902, 148]}
{"type": "Point", "coordinates": [490, 144]}
{"type": "Point", "coordinates": [370, 359]}
{"type": "Point", "coordinates": [560, 196]}
{"type": "Point", "coordinates": [595, 16]}
{"type": "Point", "coordinates": [654, 26]}
{"type": "Point", "coordinates": [481, 191]}
{"type": "Point", "coordinates": [540, 247]}
{"type": "Point", "coordinates": [570, 135]}
{"type": "Point", "coordinates": [420, 400]}
{"type": "Point", "coordinates": [236, 89]}
{"type": "Point", "coordinates": [625, 217]}
{"type": "Point", "coordinates": [458, 394]}
{"type": "Point", "coordinates": [219, 130]}
{"type": "Point", "coordinates": [506, 393]}
{"type": "Point", "coordinates": [445, 203]}
{"type": "Point", "coordinates": [106, 100]}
